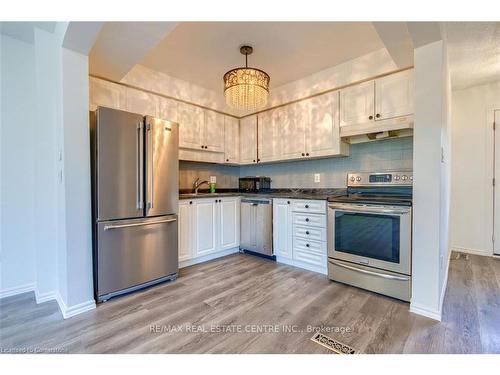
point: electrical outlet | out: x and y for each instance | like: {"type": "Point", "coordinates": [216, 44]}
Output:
{"type": "Point", "coordinates": [317, 177]}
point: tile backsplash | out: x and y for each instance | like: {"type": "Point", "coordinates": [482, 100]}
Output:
{"type": "Point", "coordinates": [390, 154]}
{"type": "Point", "coordinates": [380, 155]}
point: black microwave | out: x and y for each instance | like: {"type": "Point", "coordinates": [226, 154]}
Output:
{"type": "Point", "coordinates": [255, 184]}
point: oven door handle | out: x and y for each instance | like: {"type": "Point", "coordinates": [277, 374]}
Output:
{"type": "Point", "coordinates": [377, 274]}
{"type": "Point", "coordinates": [390, 211]}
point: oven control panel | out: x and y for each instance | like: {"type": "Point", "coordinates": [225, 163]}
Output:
{"type": "Point", "coordinates": [401, 178]}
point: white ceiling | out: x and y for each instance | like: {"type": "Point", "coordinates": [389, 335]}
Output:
{"type": "Point", "coordinates": [201, 52]}
{"type": "Point", "coordinates": [473, 52]}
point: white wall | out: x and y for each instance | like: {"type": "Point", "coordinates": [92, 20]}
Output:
{"type": "Point", "coordinates": [78, 247]}
{"type": "Point", "coordinates": [472, 168]}
{"type": "Point", "coordinates": [17, 243]}
{"type": "Point", "coordinates": [430, 190]}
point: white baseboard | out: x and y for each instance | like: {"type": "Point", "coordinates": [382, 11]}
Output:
{"type": "Point", "coordinates": [44, 297]}
{"type": "Point", "coordinates": [70, 311]}
{"type": "Point", "coordinates": [206, 258]}
{"type": "Point", "coordinates": [17, 290]}
{"type": "Point", "coordinates": [424, 311]}
{"type": "Point", "coordinates": [304, 265]}
{"type": "Point", "coordinates": [469, 250]}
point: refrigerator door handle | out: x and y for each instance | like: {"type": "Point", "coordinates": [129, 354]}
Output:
{"type": "Point", "coordinates": [150, 166]}
{"type": "Point", "coordinates": [139, 166]}
{"type": "Point", "coordinates": [109, 227]}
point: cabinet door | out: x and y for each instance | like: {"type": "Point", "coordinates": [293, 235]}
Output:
{"type": "Point", "coordinates": [231, 140]}
{"type": "Point", "coordinates": [282, 228]}
{"type": "Point", "coordinates": [323, 135]}
{"type": "Point", "coordinates": [394, 95]}
{"type": "Point", "coordinates": [269, 135]}
{"type": "Point", "coordinates": [357, 104]}
{"type": "Point", "coordinates": [107, 94]}
{"type": "Point", "coordinates": [185, 230]}
{"type": "Point", "coordinates": [229, 223]}
{"type": "Point", "coordinates": [293, 120]}
{"type": "Point", "coordinates": [205, 218]}
{"type": "Point", "coordinates": [248, 140]}
{"type": "Point", "coordinates": [167, 109]}
{"type": "Point", "coordinates": [142, 102]}
{"type": "Point", "coordinates": [213, 132]}
{"type": "Point", "coordinates": [191, 121]}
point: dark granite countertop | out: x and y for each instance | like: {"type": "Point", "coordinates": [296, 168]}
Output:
{"type": "Point", "coordinates": [320, 194]}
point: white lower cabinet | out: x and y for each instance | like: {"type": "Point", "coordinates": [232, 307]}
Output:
{"type": "Point", "coordinates": [299, 233]}
{"type": "Point", "coordinates": [208, 228]}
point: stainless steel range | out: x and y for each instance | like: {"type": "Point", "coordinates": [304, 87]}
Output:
{"type": "Point", "coordinates": [369, 233]}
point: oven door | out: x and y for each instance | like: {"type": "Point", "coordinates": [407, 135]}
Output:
{"type": "Point", "coordinates": [374, 236]}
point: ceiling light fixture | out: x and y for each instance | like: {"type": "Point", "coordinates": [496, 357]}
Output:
{"type": "Point", "coordinates": [246, 88]}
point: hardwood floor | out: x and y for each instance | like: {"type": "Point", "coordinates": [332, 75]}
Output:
{"type": "Point", "coordinates": [242, 292]}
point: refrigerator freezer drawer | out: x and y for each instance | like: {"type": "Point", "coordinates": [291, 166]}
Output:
{"type": "Point", "coordinates": [134, 252]}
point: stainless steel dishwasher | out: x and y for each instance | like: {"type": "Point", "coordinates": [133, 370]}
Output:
{"type": "Point", "coordinates": [257, 225]}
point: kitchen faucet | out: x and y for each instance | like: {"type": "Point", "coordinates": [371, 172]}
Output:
{"type": "Point", "coordinates": [197, 184]}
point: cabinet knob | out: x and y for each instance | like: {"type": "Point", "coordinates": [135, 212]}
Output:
{"type": "Point", "coordinates": [307, 154]}
{"type": "Point", "coordinates": [307, 219]}
{"type": "Point", "coordinates": [377, 115]}
{"type": "Point", "coordinates": [307, 232]}
{"type": "Point", "coordinates": [254, 160]}
{"type": "Point", "coordinates": [288, 202]}
{"type": "Point", "coordinates": [227, 159]}
{"type": "Point", "coordinates": [307, 206]}
{"type": "Point", "coordinates": [370, 117]}
{"type": "Point", "coordinates": [190, 202]}
{"type": "Point", "coordinates": [202, 146]}
{"type": "Point", "coordinates": [258, 160]}
{"type": "Point", "coordinates": [307, 245]}
{"type": "Point", "coordinates": [303, 154]}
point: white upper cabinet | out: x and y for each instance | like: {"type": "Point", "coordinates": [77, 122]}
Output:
{"type": "Point", "coordinates": [191, 120]}
{"type": "Point", "coordinates": [167, 109]}
{"type": "Point", "coordinates": [213, 132]}
{"type": "Point", "coordinates": [248, 140]}
{"type": "Point", "coordinates": [269, 147]}
{"type": "Point", "coordinates": [142, 102]}
{"type": "Point", "coordinates": [357, 104]}
{"type": "Point", "coordinates": [231, 140]}
{"type": "Point", "coordinates": [293, 122]}
{"type": "Point", "coordinates": [323, 135]}
{"type": "Point", "coordinates": [107, 94]}
{"type": "Point", "coordinates": [394, 95]}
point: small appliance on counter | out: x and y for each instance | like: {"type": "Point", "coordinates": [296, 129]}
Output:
{"type": "Point", "coordinates": [255, 184]}
{"type": "Point", "coordinates": [369, 233]}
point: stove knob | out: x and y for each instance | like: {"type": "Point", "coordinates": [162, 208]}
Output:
{"type": "Point", "coordinates": [396, 178]}
{"type": "Point", "coordinates": [358, 178]}
{"type": "Point", "coordinates": [404, 177]}
{"type": "Point", "coordinates": [352, 179]}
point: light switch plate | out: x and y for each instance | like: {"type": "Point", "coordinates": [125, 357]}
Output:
{"type": "Point", "coordinates": [317, 177]}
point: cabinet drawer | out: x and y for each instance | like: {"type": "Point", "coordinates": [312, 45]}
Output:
{"type": "Point", "coordinates": [314, 247]}
{"type": "Point", "coordinates": [313, 206]}
{"type": "Point", "coordinates": [310, 233]}
{"type": "Point", "coordinates": [313, 220]}
{"type": "Point", "coordinates": [311, 258]}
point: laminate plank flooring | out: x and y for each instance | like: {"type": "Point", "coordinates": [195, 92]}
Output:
{"type": "Point", "coordinates": [245, 304]}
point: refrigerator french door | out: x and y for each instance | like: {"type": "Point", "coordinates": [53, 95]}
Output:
{"type": "Point", "coordinates": [135, 199]}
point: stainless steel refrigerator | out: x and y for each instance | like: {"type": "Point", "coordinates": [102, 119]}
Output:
{"type": "Point", "coordinates": [135, 187]}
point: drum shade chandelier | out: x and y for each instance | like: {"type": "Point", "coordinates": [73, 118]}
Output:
{"type": "Point", "coordinates": [246, 88]}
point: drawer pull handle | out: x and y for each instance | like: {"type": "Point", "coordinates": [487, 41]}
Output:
{"type": "Point", "coordinates": [371, 273]}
